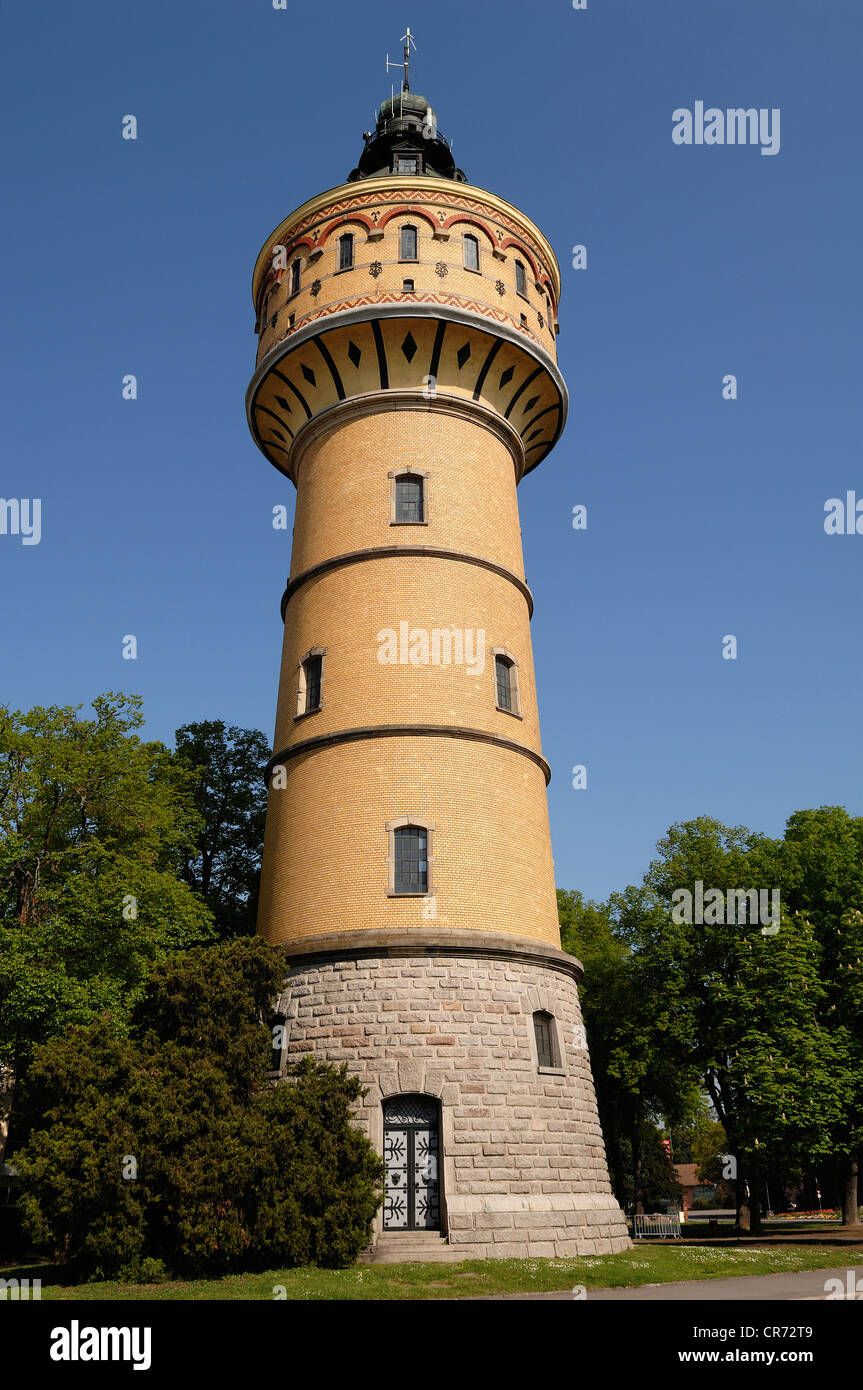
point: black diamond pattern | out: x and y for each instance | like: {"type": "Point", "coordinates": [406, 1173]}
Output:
{"type": "Point", "coordinates": [462, 355]}
{"type": "Point", "coordinates": [354, 353]}
{"type": "Point", "coordinates": [283, 403]}
{"type": "Point", "coordinates": [531, 403]}
{"type": "Point", "coordinates": [409, 347]}
{"type": "Point", "coordinates": [506, 377]}
{"type": "Point", "coordinates": [309, 375]}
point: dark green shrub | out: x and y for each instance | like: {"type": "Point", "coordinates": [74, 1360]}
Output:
{"type": "Point", "coordinates": [170, 1151]}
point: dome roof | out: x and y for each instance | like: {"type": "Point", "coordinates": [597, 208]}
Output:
{"type": "Point", "coordinates": [406, 141]}
{"type": "Point", "coordinates": [404, 104]}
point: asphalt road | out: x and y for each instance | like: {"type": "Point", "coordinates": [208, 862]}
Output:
{"type": "Point", "coordinates": [805, 1285]}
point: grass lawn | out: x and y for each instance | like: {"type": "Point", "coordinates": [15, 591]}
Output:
{"type": "Point", "coordinates": [646, 1264]}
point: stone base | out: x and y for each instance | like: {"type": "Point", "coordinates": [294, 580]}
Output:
{"type": "Point", "coordinates": [449, 1015]}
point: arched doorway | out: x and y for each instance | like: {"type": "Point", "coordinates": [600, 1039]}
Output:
{"type": "Point", "coordinates": [412, 1158]}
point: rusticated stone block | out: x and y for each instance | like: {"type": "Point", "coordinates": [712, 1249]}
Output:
{"type": "Point", "coordinates": [522, 1161]}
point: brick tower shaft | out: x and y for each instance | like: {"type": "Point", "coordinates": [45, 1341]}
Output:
{"type": "Point", "coordinates": [406, 383]}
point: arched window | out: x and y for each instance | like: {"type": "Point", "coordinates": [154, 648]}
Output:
{"type": "Point", "coordinates": [471, 253]}
{"type": "Point", "coordinates": [408, 244]}
{"type": "Point", "coordinates": [506, 682]}
{"type": "Point", "coordinates": [547, 1054]}
{"type": "Point", "coordinates": [410, 858]}
{"type": "Point", "coordinates": [346, 251]}
{"type": "Point", "coordinates": [311, 681]}
{"type": "Point", "coordinates": [409, 498]}
{"type": "Point", "coordinates": [295, 277]}
{"type": "Point", "coordinates": [520, 279]}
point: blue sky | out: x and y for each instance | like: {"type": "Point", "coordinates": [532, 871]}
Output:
{"type": "Point", "coordinates": [705, 516]}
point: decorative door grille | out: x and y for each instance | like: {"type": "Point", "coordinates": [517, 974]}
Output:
{"type": "Point", "coordinates": [412, 1158]}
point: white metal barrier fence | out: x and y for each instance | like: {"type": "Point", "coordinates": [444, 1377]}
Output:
{"type": "Point", "coordinates": [660, 1226]}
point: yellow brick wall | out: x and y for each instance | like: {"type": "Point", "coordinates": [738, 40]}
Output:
{"type": "Point", "coordinates": [337, 287]}
{"type": "Point", "coordinates": [325, 862]}
{"type": "Point", "coordinates": [346, 609]}
{"type": "Point", "coordinates": [343, 498]}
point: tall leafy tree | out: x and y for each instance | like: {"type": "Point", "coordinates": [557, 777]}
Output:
{"type": "Point", "coordinates": [627, 1026]}
{"type": "Point", "coordinates": [231, 798]}
{"type": "Point", "coordinates": [746, 1005]}
{"type": "Point", "coordinates": [822, 873]}
{"type": "Point", "coordinates": [94, 827]}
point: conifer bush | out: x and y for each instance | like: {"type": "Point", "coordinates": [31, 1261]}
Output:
{"type": "Point", "coordinates": [170, 1150]}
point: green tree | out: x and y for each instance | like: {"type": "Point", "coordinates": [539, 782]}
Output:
{"type": "Point", "coordinates": [822, 876]}
{"type": "Point", "coordinates": [626, 1027]}
{"type": "Point", "coordinates": [743, 1006]}
{"type": "Point", "coordinates": [231, 798]}
{"type": "Point", "coordinates": [173, 1146]}
{"type": "Point", "coordinates": [94, 826]}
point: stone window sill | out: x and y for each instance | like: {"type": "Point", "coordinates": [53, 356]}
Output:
{"type": "Point", "coordinates": [408, 523]}
{"type": "Point", "coordinates": [551, 1071]}
{"type": "Point", "coordinates": [305, 714]}
{"type": "Point", "coordinates": [514, 714]}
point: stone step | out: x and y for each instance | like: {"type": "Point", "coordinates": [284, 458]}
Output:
{"type": "Point", "coordinates": [406, 1247]}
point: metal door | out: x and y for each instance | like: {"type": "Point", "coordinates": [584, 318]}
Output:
{"type": "Point", "coordinates": [411, 1155]}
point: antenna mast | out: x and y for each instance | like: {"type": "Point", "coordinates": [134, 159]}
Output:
{"type": "Point", "coordinates": [408, 41]}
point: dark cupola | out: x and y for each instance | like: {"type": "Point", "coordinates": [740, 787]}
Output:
{"type": "Point", "coordinates": [406, 139]}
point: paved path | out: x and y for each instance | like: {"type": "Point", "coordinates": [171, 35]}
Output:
{"type": "Point", "coordinates": [807, 1284]}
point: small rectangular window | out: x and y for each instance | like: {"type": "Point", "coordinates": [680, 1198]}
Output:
{"type": "Point", "coordinates": [295, 277]}
{"type": "Point", "coordinates": [503, 676]}
{"type": "Point", "coordinates": [408, 244]}
{"type": "Point", "coordinates": [408, 287]}
{"type": "Point", "coordinates": [520, 279]}
{"type": "Point", "coordinates": [346, 251]}
{"type": "Point", "coordinates": [411, 863]}
{"type": "Point", "coordinates": [471, 253]}
{"type": "Point", "coordinates": [407, 164]}
{"type": "Point", "coordinates": [312, 669]}
{"type": "Point", "coordinates": [542, 1026]}
{"type": "Point", "coordinates": [409, 498]}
